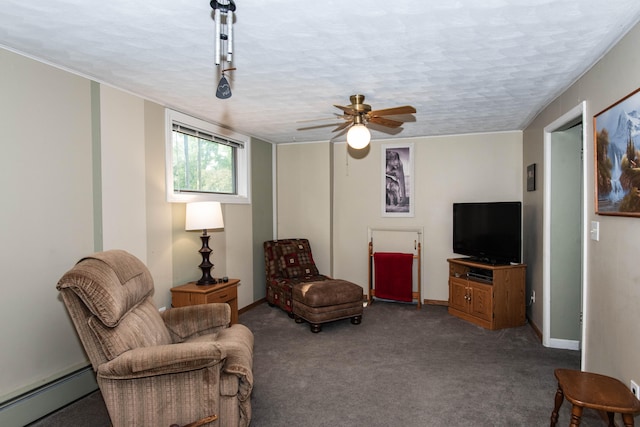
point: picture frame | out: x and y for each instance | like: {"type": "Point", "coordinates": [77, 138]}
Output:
{"type": "Point", "coordinates": [531, 177]}
{"type": "Point", "coordinates": [397, 180]}
{"type": "Point", "coordinates": [616, 131]}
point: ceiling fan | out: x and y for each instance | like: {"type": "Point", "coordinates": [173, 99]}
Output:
{"type": "Point", "coordinates": [358, 114]}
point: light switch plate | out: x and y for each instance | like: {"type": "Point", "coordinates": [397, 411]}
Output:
{"type": "Point", "coordinates": [595, 230]}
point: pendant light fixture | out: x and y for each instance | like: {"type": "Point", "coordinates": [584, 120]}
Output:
{"type": "Point", "coordinates": [358, 136]}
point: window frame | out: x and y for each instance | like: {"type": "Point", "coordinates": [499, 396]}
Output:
{"type": "Point", "coordinates": [243, 156]}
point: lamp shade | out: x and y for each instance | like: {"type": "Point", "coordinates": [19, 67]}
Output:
{"type": "Point", "coordinates": [358, 136]}
{"type": "Point", "coordinates": [204, 216]}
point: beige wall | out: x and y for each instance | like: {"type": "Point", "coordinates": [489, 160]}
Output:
{"type": "Point", "coordinates": [123, 172]}
{"type": "Point", "coordinates": [159, 237]}
{"type": "Point", "coordinates": [262, 161]}
{"type": "Point", "coordinates": [46, 220]}
{"type": "Point", "coordinates": [613, 284]}
{"type": "Point", "coordinates": [304, 197]}
{"type": "Point", "coordinates": [84, 170]}
{"type": "Point", "coordinates": [481, 167]}
{"type": "Point", "coordinates": [239, 249]}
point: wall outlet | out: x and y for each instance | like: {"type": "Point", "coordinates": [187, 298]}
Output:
{"type": "Point", "coordinates": [634, 389]}
{"type": "Point", "coordinates": [533, 297]}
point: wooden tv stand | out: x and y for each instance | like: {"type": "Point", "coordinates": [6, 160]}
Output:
{"type": "Point", "coordinates": [491, 296]}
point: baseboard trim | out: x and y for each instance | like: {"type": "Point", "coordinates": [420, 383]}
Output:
{"type": "Point", "coordinates": [536, 330]}
{"type": "Point", "coordinates": [564, 344]}
{"type": "Point", "coordinates": [436, 302]}
{"type": "Point", "coordinates": [252, 305]}
{"type": "Point", "coordinates": [44, 400]}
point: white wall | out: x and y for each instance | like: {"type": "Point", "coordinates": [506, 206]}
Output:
{"type": "Point", "coordinates": [611, 344]}
{"type": "Point", "coordinates": [481, 167]}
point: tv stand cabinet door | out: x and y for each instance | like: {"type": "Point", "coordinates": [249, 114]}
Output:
{"type": "Point", "coordinates": [458, 294]}
{"type": "Point", "coordinates": [481, 302]}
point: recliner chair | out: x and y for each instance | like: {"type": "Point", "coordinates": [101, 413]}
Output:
{"type": "Point", "coordinates": [180, 366]}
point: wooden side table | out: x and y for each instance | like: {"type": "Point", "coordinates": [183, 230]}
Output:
{"type": "Point", "coordinates": [192, 294]}
{"type": "Point", "coordinates": [588, 390]}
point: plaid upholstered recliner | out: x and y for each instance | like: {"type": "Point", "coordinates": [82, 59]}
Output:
{"type": "Point", "coordinates": [184, 365]}
{"type": "Point", "coordinates": [288, 262]}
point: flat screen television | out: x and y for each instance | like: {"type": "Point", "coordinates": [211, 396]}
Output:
{"type": "Point", "coordinates": [489, 232]}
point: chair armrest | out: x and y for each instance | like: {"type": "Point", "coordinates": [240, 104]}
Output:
{"type": "Point", "coordinates": [163, 359]}
{"type": "Point", "coordinates": [237, 340]}
{"type": "Point", "coordinates": [194, 320]}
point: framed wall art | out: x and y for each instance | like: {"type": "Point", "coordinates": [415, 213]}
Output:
{"type": "Point", "coordinates": [617, 157]}
{"type": "Point", "coordinates": [397, 180]}
{"type": "Point", "coordinates": [531, 177]}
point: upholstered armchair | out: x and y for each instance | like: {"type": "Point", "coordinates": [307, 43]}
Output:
{"type": "Point", "coordinates": [295, 285]}
{"type": "Point", "coordinates": [180, 366]}
{"type": "Point", "coordinates": [282, 277]}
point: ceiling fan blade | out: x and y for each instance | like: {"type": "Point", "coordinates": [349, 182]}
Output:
{"type": "Point", "coordinates": [405, 109]}
{"type": "Point", "coordinates": [384, 129]}
{"type": "Point", "coordinates": [338, 135]}
{"type": "Point", "coordinates": [343, 126]}
{"type": "Point", "coordinates": [335, 115]}
{"type": "Point", "coordinates": [405, 118]}
{"type": "Point", "coordinates": [326, 125]}
{"type": "Point", "coordinates": [385, 122]}
{"type": "Point", "coordinates": [347, 110]}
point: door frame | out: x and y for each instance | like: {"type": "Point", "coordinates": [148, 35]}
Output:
{"type": "Point", "coordinates": [574, 115]}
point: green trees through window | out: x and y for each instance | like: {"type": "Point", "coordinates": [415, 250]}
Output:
{"type": "Point", "coordinates": [203, 165]}
{"type": "Point", "coordinates": [205, 162]}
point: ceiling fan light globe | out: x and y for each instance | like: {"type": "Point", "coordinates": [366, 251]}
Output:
{"type": "Point", "coordinates": [358, 136]}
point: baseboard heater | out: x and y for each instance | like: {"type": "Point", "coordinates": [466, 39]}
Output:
{"type": "Point", "coordinates": [35, 404]}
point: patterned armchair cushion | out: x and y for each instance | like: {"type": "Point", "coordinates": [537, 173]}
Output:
{"type": "Point", "coordinates": [271, 260]}
{"type": "Point", "coordinates": [296, 260]}
{"type": "Point", "coordinates": [288, 258]}
{"type": "Point", "coordinates": [281, 277]}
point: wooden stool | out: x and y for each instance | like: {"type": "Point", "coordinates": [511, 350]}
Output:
{"type": "Point", "coordinates": [587, 390]}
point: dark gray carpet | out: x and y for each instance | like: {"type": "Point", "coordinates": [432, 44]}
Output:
{"type": "Point", "coordinates": [400, 367]}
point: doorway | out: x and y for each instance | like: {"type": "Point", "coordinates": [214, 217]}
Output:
{"type": "Point", "coordinates": [564, 219]}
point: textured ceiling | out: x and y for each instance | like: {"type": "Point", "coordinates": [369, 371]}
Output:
{"type": "Point", "coordinates": [466, 65]}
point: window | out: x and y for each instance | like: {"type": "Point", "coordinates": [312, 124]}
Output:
{"type": "Point", "coordinates": [205, 161]}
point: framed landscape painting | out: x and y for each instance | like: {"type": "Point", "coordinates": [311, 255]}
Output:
{"type": "Point", "coordinates": [397, 180]}
{"type": "Point", "coordinates": [617, 157]}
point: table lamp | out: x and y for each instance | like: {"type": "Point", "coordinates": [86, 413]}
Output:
{"type": "Point", "coordinates": [204, 216]}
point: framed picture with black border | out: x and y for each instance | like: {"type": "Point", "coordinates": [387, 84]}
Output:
{"type": "Point", "coordinates": [397, 180]}
{"type": "Point", "coordinates": [531, 177]}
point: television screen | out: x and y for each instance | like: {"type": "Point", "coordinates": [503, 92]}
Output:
{"type": "Point", "coordinates": [488, 232]}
